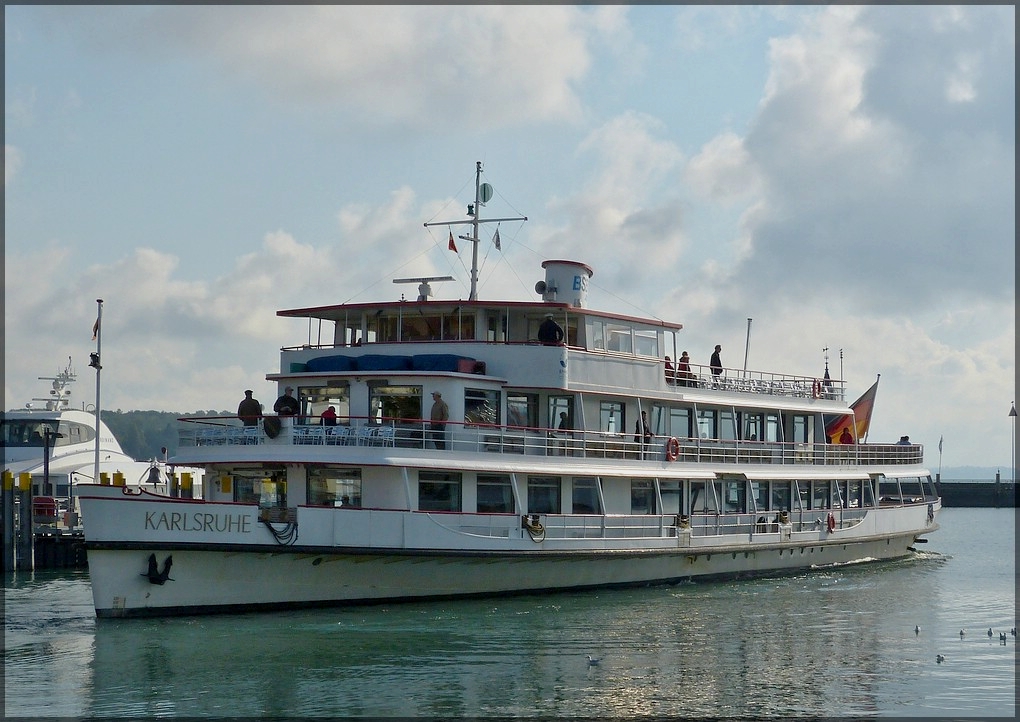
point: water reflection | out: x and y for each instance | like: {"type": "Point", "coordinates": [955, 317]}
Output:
{"type": "Point", "coordinates": [835, 642]}
{"type": "Point", "coordinates": [792, 646]}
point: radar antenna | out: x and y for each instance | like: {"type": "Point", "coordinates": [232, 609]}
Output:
{"type": "Point", "coordinates": [424, 290]}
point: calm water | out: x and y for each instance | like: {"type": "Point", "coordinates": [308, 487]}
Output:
{"type": "Point", "coordinates": [831, 643]}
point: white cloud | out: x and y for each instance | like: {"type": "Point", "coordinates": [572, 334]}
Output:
{"type": "Point", "coordinates": [12, 163]}
{"type": "Point", "coordinates": [416, 66]}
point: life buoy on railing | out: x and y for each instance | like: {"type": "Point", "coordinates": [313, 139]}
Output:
{"type": "Point", "coordinates": [672, 449]}
{"type": "Point", "coordinates": [816, 389]}
{"type": "Point", "coordinates": [830, 523]}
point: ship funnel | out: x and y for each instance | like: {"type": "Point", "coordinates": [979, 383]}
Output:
{"type": "Point", "coordinates": [565, 282]}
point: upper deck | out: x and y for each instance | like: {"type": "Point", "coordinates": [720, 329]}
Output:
{"type": "Point", "coordinates": [600, 351]}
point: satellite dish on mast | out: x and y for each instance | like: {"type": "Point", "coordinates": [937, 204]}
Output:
{"type": "Point", "coordinates": [485, 192]}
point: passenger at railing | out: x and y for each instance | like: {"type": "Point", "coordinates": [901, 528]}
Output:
{"type": "Point", "coordinates": [643, 433]}
{"type": "Point", "coordinates": [550, 332]}
{"type": "Point", "coordinates": [904, 441]}
{"type": "Point", "coordinates": [670, 372]}
{"type": "Point", "coordinates": [846, 437]}
{"type": "Point", "coordinates": [439, 416]}
{"type": "Point", "coordinates": [249, 410]}
{"type": "Point", "coordinates": [328, 416]}
{"type": "Point", "coordinates": [563, 431]}
{"type": "Point", "coordinates": [287, 405]}
{"type": "Point", "coordinates": [683, 370]}
{"type": "Point", "coordinates": [716, 365]}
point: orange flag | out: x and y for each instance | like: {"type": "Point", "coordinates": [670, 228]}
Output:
{"type": "Point", "coordinates": [859, 421]}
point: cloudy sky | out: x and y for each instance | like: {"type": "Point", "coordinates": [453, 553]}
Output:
{"type": "Point", "coordinates": [845, 176]}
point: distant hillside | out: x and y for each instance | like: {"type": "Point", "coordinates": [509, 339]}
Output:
{"type": "Point", "coordinates": [142, 434]}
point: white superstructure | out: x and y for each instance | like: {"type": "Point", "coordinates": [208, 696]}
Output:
{"type": "Point", "coordinates": [540, 479]}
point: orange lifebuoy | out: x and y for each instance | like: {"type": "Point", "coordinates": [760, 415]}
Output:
{"type": "Point", "coordinates": [831, 523]}
{"type": "Point", "coordinates": [816, 389]}
{"type": "Point", "coordinates": [672, 449]}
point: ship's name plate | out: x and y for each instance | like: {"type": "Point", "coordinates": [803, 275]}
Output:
{"type": "Point", "coordinates": [199, 522]}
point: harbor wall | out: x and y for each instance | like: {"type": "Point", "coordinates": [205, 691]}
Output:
{"type": "Point", "coordinates": [977, 493]}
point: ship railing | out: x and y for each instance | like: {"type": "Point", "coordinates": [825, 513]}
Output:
{"type": "Point", "coordinates": [704, 524]}
{"type": "Point", "coordinates": [532, 441]}
{"type": "Point", "coordinates": [755, 382]}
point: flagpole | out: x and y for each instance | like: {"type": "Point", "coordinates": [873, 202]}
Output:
{"type": "Point", "coordinates": [747, 345]}
{"type": "Point", "coordinates": [939, 477]}
{"type": "Point", "coordinates": [868, 430]}
{"type": "Point", "coordinates": [98, 367]}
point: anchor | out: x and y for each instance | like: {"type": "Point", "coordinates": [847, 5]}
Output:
{"type": "Point", "coordinates": [154, 574]}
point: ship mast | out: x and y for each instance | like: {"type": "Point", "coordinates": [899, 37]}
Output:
{"type": "Point", "coordinates": [483, 192]}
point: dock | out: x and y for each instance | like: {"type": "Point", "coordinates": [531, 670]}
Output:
{"type": "Point", "coordinates": [977, 493]}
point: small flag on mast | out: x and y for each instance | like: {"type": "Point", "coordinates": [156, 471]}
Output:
{"type": "Point", "coordinates": [95, 330]}
{"type": "Point", "coordinates": [452, 246]}
{"type": "Point", "coordinates": [496, 239]}
{"type": "Point", "coordinates": [940, 444]}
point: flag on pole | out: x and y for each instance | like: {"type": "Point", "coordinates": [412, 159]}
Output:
{"type": "Point", "coordinates": [452, 246]}
{"type": "Point", "coordinates": [95, 330]}
{"type": "Point", "coordinates": [496, 239]}
{"type": "Point", "coordinates": [858, 422]}
{"type": "Point", "coordinates": [940, 444]}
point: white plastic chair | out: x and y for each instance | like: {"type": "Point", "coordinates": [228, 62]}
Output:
{"type": "Point", "coordinates": [385, 436]}
{"type": "Point", "coordinates": [365, 435]}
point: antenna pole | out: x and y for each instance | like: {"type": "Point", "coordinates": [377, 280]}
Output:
{"type": "Point", "coordinates": [474, 232]}
{"type": "Point", "coordinates": [475, 221]}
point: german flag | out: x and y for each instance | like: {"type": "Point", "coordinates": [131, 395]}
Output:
{"type": "Point", "coordinates": [857, 422]}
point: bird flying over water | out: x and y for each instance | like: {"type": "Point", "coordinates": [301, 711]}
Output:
{"type": "Point", "coordinates": [940, 658]}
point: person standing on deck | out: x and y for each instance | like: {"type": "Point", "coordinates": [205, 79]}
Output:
{"type": "Point", "coordinates": [249, 410]}
{"type": "Point", "coordinates": [439, 416]}
{"type": "Point", "coordinates": [643, 433]}
{"type": "Point", "coordinates": [683, 370]}
{"type": "Point", "coordinates": [287, 405]}
{"type": "Point", "coordinates": [716, 365]}
{"type": "Point", "coordinates": [550, 333]}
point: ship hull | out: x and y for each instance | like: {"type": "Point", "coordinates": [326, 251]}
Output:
{"type": "Point", "coordinates": [224, 559]}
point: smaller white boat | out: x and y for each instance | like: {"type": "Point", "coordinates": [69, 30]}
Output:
{"type": "Point", "coordinates": [53, 440]}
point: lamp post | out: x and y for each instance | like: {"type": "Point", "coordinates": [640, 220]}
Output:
{"type": "Point", "coordinates": [1012, 443]}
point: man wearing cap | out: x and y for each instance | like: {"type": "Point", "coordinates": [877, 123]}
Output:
{"type": "Point", "coordinates": [249, 410]}
{"type": "Point", "coordinates": [439, 416]}
{"type": "Point", "coordinates": [287, 405]}
{"type": "Point", "coordinates": [550, 332]}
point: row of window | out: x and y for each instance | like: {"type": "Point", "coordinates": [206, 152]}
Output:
{"type": "Point", "coordinates": [29, 433]}
{"type": "Point", "coordinates": [482, 406]}
{"type": "Point", "coordinates": [443, 491]}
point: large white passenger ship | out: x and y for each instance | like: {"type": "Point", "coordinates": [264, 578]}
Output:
{"type": "Point", "coordinates": [538, 481]}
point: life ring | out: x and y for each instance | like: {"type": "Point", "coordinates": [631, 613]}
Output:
{"type": "Point", "coordinates": [816, 389]}
{"type": "Point", "coordinates": [672, 449]}
{"type": "Point", "coordinates": [830, 523]}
